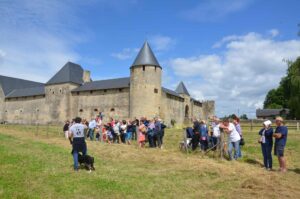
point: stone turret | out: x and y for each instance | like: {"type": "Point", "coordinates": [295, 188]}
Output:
{"type": "Point", "coordinates": [145, 84]}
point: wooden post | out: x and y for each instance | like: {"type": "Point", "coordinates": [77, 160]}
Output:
{"type": "Point", "coordinates": [251, 127]}
{"type": "Point", "coordinates": [297, 126]}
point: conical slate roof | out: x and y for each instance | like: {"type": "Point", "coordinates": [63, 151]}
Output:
{"type": "Point", "coordinates": [181, 89]}
{"type": "Point", "coordinates": [145, 57]}
{"type": "Point", "coordinates": [69, 73]}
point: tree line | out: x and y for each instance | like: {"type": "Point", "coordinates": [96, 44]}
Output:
{"type": "Point", "coordinates": [287, 94]}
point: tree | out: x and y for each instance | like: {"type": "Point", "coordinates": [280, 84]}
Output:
{"type": "Point", "coordinates": [244, 117]}
{"type": "Point", "coordinates": [287, 95]}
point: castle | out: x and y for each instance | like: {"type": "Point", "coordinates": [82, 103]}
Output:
{"type": "Point", "coordinates": [71, 92]}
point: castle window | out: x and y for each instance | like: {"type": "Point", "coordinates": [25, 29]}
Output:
{"type": "Point", "coordinates": [91, 92]}
{"type": "Point", "coordinates": [77, 93]}
{"type": "Point", "coordinates": [37, 110]}
{"type": "Point", "coordinates": [21, 111]}
{"type": "Point", "coordinates": [96, 110]}
{"type": "Point", "coordinates": [60, 90]}
{"type": "Point", "coordinates": [5, 111]}
{"type": "Point", "coordinates": [120, 89]}
{"type": "Point", "coordinates": [53, 92]}
{"type": "Point", "coordinates": [105, 90]}
{"type": "Point", "coordinates": [143, 68]}
{"type": "Point", "coordinates": [33, 98]}
{"type": "Point", "coordinates": [80, 110]}
{"type": "Point", "coordinates": [155, 68]}
{"type": "Point", "coordinates": [155, 90]}
{"type": "Point", "coordinates": [112, 109]}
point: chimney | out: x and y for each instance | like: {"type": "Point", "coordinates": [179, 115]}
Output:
{"type": "Point", "coordinates": [86, 76]}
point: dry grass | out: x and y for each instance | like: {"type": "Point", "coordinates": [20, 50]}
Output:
{"type": "Point", "coordinates": [124, 171]}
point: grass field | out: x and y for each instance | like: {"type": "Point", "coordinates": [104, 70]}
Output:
{"type": "Point", "coordinates": [39, 165]}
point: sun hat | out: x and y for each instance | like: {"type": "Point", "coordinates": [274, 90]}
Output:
{"type": "Point", "coordinates": [267, 123]}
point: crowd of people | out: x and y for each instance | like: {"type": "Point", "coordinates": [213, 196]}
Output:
{"type": "Point", "coordinates": [206, 137]}
{"type": "Point", "coordinates": [203, 136]}
{"type": "Point", "coordinates": [115, 131]}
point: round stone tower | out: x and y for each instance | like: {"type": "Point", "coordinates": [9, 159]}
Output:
{"type": "Point", "coordinates": [145, 84]}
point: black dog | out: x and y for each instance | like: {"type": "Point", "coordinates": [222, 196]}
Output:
{"type": "Point", "coordinates": [87, 160]}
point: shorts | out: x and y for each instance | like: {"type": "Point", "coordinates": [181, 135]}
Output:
{"type": "Point", "coordinates": [128, 135]}
{"type": "Point", "coordinates": [279, 150]}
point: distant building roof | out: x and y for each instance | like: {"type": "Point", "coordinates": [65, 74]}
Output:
{"type": "Point", "coordinates": [9, 84]}
{"type": "Point", "coordinates": [104, 84]}
{"type": "Point", "coordinates": [145, 57]}
{"type": "Point", "coordinates": [69, 73]}
{"type": "Point", "coordinates": [26, 92]}
{"type": "Point", "coordinates": [181, 89]}
{"type": "Point", "coordinates": [171, 92]}
{"type": "Point", "coordinates": [271, 112]}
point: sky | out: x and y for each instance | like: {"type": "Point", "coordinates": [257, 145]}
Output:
{"type": "Point", "coordinates": [230, 51]}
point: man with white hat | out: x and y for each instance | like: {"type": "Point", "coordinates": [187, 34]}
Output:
{"type": "Point", "coordinates": [280, 135]}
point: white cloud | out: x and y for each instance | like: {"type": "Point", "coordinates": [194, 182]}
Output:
{"type": "Point", "coordinates": [161, 43]}
{"type": "Point", "coordinates": [240, 76]}
{"type": "Point", "coordinates": [126, 53]}
{"type": "Point", "coordinates": [213, 10]}
{"type": "Point", "coordinates": [273, 32]}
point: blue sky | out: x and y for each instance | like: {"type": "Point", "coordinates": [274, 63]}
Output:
{"type": "Point", "coordinates": [230, 51]}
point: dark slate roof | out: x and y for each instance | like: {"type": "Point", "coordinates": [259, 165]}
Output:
{"type": "Point", "coordinates": [69, 73]}
{"type": "Point", "coordinates": [170, 92]}
{"type": "Point", "coordinates": [26, 92]}
{"type": "Point", "coordinates": [270, 112]}
{"type": "Point", "coordinates": [104, 84]}
{"type": "Point", "coordinates": [145, 57]}
{"type": "Point", "coordinates": [181, 89]}
{"type": "Point", "coordinates": [9, 84]}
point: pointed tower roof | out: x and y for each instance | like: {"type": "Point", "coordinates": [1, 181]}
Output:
{"type": "Point", "coordinates": [181, 89]}
{"type": "Point", "coordinates": [69, 73]}
{"type": "Point", "coordinates": [145, 57]}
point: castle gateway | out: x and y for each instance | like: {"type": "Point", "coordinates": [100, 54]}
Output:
{"type": "Point", "coordinates": [70, 92]}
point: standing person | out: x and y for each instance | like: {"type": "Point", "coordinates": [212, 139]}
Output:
{"type": "Point", "coordinates": [216, 133]}
{"type": "Point", "coordinates": [77, 139]}
{"type": "Point", "coordinates": [92, 126]}
{"type": "Point", "coordinates": [233, 138]}
{"type": "Point", "coordinates": [66, 129]}
{"type": "Point", "coordinates": [266, 141]}
{"type": "Point", "coordinates": [236, 122]}
{"type": "Point", "coordinates": [130, 129]}
{"type": "Point", "coordinates": [203, 136]}
{"type": "Point", "coordinates": [280, 135]}
{"type": "Point", "coordinates": [150, 133]}
{"type": "Point", "coordinates": [163, 126]}
{"type": "Point", "coordinates": [196, 136]}
{"type": "Point", "coordinates": [123, 128]}
{"type": "Point", "coordinates": [134, 129]}
{"type": "Point", "coordinates": [99, 128]}
{"type": "Point", "coordinates": [157, 133]}
{"type": "Point", "coordinates": [116, 132]}
{"type": "Point", "coordinates": [142, 135]}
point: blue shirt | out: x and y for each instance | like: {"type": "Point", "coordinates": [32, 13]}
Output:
{"type": "Point", "coordinates": [284, 132]}
{"type": "Point", "coordinates": [268, 135]}
{"type": "Point", "coordinates": [203, 131]}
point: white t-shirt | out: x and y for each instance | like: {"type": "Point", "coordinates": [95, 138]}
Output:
{"type": "Point", "coordinates": [117, 128]}
{"type": "Point", "coordinates": [216, 130]}
{"type": "Point", "coordinates": [92, 124]}
{"type": "Point", "coordinates": [124, 128]}
{"type": "Point", "coordinates": [234, 136]}
{"type": "Point", "coordinates": [77, 130]}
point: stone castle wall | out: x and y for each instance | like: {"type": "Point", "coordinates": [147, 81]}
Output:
{"type": "Point", "coordinates": [172, 108]}
{"type": "Point", "coordinates": [113, 103]}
